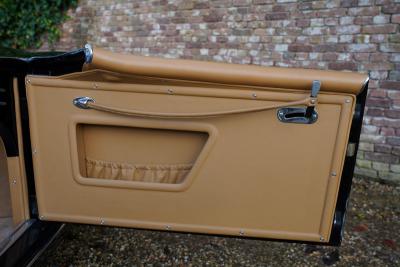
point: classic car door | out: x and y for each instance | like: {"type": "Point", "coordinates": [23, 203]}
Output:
{"type": "Point", "coordinates": [192, 146]}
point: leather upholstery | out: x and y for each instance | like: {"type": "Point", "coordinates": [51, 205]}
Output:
{"type": "Point", "coordinates": [251, 174]}
{"type": "Point", "coordinates": [333, 81]}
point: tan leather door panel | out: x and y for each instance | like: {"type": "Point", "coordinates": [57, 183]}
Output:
{"type": "Point", "coordinates": [246, 173]}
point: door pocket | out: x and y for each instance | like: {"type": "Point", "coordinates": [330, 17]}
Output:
{"type": "Point", "coordinates": [137, 154]}
{"type": "Point", "coordinates": [150, 173]}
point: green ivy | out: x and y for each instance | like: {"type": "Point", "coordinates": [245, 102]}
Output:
{"type": "Point", "coordinates": [23, 22]}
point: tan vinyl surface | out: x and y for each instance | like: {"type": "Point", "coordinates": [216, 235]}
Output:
{"type": "Point", "coordinates": [252, 175]}
{"type": "Point", "coordinates": [13, 178]}
{"type": "Point", "coordinates": [346, 82]}
{"type": "Point", "coordinates": [20, 190]}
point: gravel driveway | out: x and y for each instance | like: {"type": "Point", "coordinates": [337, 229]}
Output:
{"type": "Point", "coordinates": [372, 238]}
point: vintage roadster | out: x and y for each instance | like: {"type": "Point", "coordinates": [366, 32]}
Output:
{"type": "Point", "coordinates": [97, 137]}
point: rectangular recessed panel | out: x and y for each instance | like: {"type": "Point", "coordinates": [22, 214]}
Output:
{"type": "Point", "coordinates": [137, 154]}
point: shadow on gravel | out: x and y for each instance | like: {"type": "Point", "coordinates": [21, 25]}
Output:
{"type": "Point", "coordinates": [372, 238]}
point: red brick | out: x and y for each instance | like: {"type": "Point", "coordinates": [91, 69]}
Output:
{"type": "Point", "coordinates": [363, 11]}
{"type": "Point", "coordinates": [201, 5]}
{"type": "Point", "coordinates": [379, 57]}
{"type": "Point", "coordinates": [387, 28]}
{"type": "Point", "coordinates": [386, 122]}
{"type": "Point", "coordinates": [329, 48]}
{"type": "Point", "coordinates": [378, 102]}
{"type": "Point", "coordinates": [241, 2]}
{"type": "Point", "coordinates": [381, 157]}
{"type": "Point", "coordinates": [299, 48]}
{"type": "Point", "coordinates": [394, 94]}
{"type": "Point", "coordinates": [331, 21]}
{"type": "Point", "coordinates": [393, 140]}
{"type": "Point", "coordinates": [373, 84]}
{"type": "Point", "coordinates": [393, 85]}
{"type": "Point", "coordinates": [394, 38]}
{"type": "Point", "coordinates": [396, 150]}
{"type": "Point", "coordinates": [348, 29]}
{"type": "Point", "coordinates": [383, 2]}
{"type": "Point", "coordinates": [276, 16]}
{"type": "Point", "coordinates": [389, 47]}
{"type": "Point", "coordinates": [391, 9]}
{"type": "Point", "coordinates": [361, 47]}
{"type": "Point", "coordinates": [302, 22]}
{"type": "Point", "coordinates": [318, 4]}
{"type": "Point", "coordinates": [349, 3]}
{"type": "Point", "coordinates": [377, 93]}
{"type": "Point", "coordinates": [383, 148]}
{"type": "Point", "coordinates": [280, 8]}
{"type": "Point", "coordinates": [391, 113]}
{"type": "Point", "coordinates": [304, 5]}
{"type": "Point", "coordinates": [261, 2]}
{"type": "Point", "coordinates": [342, 66]}
{"type": "Point", "coordinates": [382, 66]}
{"type": "Point", "coordinates": [361, 56]}
{"type": "Point", "coordinates": [365, 20]}
{"type": "Point", "coordinates": [396, 18]}
{"type": "Point", "coordinates": [330, 56]}
{"type": "Point", "coordinates": [376, 112]}
{"type": "Point", "coordinates": [214, 16]}
{"type": "Point", "coordinates": [396, 103]}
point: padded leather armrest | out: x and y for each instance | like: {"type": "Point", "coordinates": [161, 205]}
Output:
{"type": "Point", "coordinates": [235, 74]}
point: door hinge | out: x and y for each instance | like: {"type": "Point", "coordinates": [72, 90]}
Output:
{"type": "Point", "coordinates": [351, 150]}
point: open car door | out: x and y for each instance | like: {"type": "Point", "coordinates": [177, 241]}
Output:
{"type": "Point", "coordinates": [193, 146]}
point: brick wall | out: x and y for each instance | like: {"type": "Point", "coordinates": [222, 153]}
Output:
{"type": "Point", "coordinates": [351, 35]}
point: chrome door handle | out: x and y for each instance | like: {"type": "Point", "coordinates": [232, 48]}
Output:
{"type": "Point", "coordinates": [297, 115]}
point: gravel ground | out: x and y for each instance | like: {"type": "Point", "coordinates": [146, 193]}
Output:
{"type": "Point", "coordinates": [372, 238]}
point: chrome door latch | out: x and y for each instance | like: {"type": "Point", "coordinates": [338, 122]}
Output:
{"type": "Point", "coordinates": [82, 102]}
{"type": "Point", "coordinates": [306, 115]}
{"type": "Point", "coordinates": [315, 88]}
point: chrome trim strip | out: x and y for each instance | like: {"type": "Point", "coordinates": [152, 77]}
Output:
{"type": "Point", "coordinates": [88, 53]}
{"type": "Point", "coordinates": [364, 85]}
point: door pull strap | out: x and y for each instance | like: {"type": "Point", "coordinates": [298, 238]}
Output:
{"type": "Point", "coordinates": [90, 103]}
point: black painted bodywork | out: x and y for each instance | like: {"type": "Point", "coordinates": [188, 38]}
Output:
{"type": "Point", "coordinates": [62, 63]}
{"type": "Point", "coordinates": [348, 170]}
{"type": "Point", "coordinates": [39, 233]}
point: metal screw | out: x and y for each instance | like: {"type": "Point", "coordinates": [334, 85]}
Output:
{"type": "Point", "coordinates": [102, 222]}
{"type": "Point", "coordinates": [34, 151]}
{"type": "Point", "coordinates": [347, 101]}
{"type": "Point", "coordinates": [168, 227]}
{"type": "Point", "coordinates": [254, 95]}
{"type": "Point", "coordinates": [321, 239]}
{"type": "Point", "coordinates": [14, 181]}
{"type": "Point", "coordinates": [28, 81]}
{"type": "Point", "coordinates": [312, 101]}
{"type": "Point", "coordinates": [170, 91]}
{"type": "Point", "coordinates": [241, 232]}
{"type": "Point", "coordinates": [41, 217]}
{"type": "Point", "coordinates": [95, 85]}
{"type": "Point", "coordinates": [333, 174]}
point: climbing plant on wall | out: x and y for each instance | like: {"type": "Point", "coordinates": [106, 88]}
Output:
{"type": "Point", "coordinates": [26, 23]}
